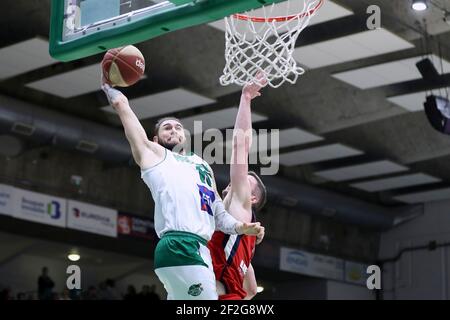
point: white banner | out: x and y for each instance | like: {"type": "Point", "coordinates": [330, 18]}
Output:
{"type": "Point", "coordinates": [356, 272]}
{"type": "Point", "coordinates": [311, 264]}
{"type": "Point", "coordinates": [87, 217]}
{"type": "Point", "coordinates": [38, 207]}
{"type": "Point", "coordinates": [7, 194]}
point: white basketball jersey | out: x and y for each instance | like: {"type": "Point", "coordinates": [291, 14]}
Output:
{"type": "Point", "coordinates": [183, 189]}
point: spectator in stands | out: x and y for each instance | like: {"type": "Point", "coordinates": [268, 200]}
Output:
{"type": "Point", "coordinates": [111, 291]}
{"type": "Point", "coordinates": [149, 294]}
{"type": "Point", "coordinates": [102, 292]}
{"type": "Point", "coordinates": [91, 294]}
{"type": "Point", "coordinates": [45, 285]}
{"type": "Point", "coordinates": [153, 295]}
{"type": "Point", "coordinates": [21, 296]}
{"type": "Point", "coordinates": [131, 293]}
{"type": "Point", "coordinates": [5, 294]}
{"type": "Point", "coordinates": [65, 295]}
{"type": "Point", "coordinates": [75, 294]}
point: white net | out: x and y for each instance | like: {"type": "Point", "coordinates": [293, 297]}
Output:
{"type": "Point", "coordinates": [266, 43]}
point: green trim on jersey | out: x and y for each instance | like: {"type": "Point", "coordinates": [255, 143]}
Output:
{"type": "Point", "coordinates": [165, 156]}
{"type": "Point", "coordinates": [183, 158]}
{"type": "Point", "coordinates": [178, 248]}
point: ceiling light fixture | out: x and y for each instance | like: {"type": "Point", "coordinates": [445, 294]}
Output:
{"type": "Point", "coordinates": [74, 257]}
{"type": "Point", "coordinates": [419, 5]}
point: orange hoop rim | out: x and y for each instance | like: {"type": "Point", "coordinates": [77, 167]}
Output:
{"type": "Point", "coordinates": [280, 18]}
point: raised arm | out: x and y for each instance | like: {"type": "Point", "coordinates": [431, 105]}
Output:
{"type": "Point", "coordinates": [145, 152]}
{"type": "Point", "coordinates": [226, 222]}
{"type": "Point", "coordinates": [242, 140]}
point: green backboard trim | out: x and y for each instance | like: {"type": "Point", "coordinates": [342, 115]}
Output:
{"type": "Point", "coordinates": [175, 18]}
{"type": "Point", "coordinates": [179, 2]}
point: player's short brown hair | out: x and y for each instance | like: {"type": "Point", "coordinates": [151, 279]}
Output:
{"type": "Point", "coordinates": [261, 191]}
{"type": "Point", "coordinates": [160, 122]}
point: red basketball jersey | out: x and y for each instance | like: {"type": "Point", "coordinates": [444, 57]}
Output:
{"type": "Point", "coordinates": [231, 256]}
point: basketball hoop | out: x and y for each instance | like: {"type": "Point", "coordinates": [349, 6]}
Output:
{"type": "Point", "coordinates": [255, 44]}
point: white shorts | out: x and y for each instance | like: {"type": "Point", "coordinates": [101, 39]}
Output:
{"type": "Point", "coordinates": [184, 267]}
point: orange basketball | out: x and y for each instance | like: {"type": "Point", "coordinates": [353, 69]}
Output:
{"type": "Point", "coordinates": [123, 66]}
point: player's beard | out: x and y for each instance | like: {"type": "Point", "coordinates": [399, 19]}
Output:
{"type": "Point", "coordinates": [170, 145]}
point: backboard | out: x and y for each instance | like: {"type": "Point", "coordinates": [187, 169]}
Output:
{"type": "Point", "coordinates": [80, 28]}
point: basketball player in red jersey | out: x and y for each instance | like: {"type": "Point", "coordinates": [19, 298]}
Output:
{"type": "Point", "coordinates": [243, 197]}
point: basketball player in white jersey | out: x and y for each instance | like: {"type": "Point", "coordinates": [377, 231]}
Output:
{"type": "Point", "coordinates": [187, 206]}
